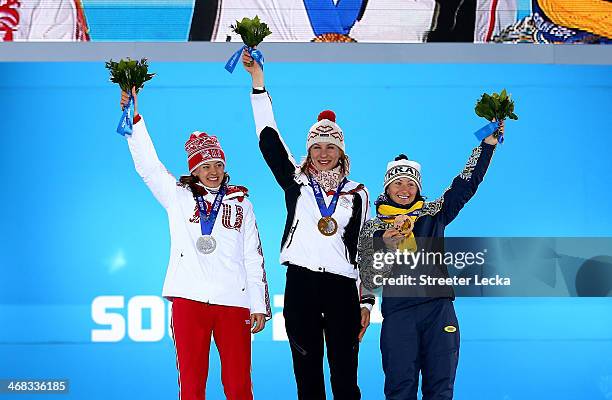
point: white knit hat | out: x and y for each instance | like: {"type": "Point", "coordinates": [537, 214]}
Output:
{"type": "Point", "coordinates": [325, 131]}
{"type": "Point", "coordinates": [401, 167]}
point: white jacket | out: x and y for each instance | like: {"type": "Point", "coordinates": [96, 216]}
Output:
{"type": "Point", "coordinates": [303, 244]}
{"type": "Point", "coordinates": [233, 275]}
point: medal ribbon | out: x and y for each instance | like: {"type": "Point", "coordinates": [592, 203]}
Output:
{"type": "Point", "coordinates": [125, 123]}
{"type": "Point", "coordinates": [325, 17]}
{"type": "Point", "coordinates": [487, 130]}
{"type": "Point", "coordinates": [207, 221]}
{"type": "Point", "coordinates": [318, 193]}
{"type": "Point", "coordinates": [233, 61]}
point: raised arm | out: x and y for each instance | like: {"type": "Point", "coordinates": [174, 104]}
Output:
{"type": "Point", "coordinates": [273, 148]}
{"type": "Point", "coordinates": [465, 184]}
{"type": "Point", "coordinates": [161, 183]}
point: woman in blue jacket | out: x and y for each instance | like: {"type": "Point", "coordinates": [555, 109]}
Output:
{"type": "Point", "coordinates": [420, 332]}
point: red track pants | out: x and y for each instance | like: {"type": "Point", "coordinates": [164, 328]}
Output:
{"type": "Point", "coordinates": [193, 324]}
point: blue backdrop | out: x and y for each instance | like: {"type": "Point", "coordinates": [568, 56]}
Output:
{"type": "Point", "coordinates": [78, 222]}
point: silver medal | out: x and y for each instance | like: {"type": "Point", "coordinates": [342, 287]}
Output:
{"type": "Point", "coordinates": [206, 244]}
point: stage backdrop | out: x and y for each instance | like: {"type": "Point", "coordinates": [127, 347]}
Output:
{"type": "Point", "coordinates": [85, 245]}
{"type": "Point", "coordinates": [369, 21]}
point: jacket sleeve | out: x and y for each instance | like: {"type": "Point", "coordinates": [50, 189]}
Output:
{"type": "Point", "coordinates": [366, 296]}
{"type": "Point", "coordinates": [257, 285]}
{"type": "Point", "coordinates": [161, 183]}
{"type": "Point", "coordinates": [367, 254]}
{"type": "Point", "coordinates": [273, 148]}
{"type": "Point", "coordinates": [359, 215]}
{"type": "Point", "coordinates": [465, 184]}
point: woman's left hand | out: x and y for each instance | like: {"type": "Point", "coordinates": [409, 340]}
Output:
{"type": "Point", "coordinates": [258, 322]}
{"type": "Point", "coordinates": [365, 322]}
{"type": "Point", "coordinates": [491, 139]}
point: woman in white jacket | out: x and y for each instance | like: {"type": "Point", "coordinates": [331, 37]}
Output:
{"type": "Point", "coordinates": [325, 212]}
{"type": "Point", "coordinates": [216, 278]}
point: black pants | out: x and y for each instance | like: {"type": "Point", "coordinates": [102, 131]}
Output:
{"type": "Point", "coordinates": [318, 305]}
{"type": "Point", "coordinates": [423, 338]}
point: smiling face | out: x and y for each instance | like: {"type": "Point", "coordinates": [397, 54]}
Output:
{"type": "Point", "coordinates": [210, 173]}
{"type": "Point", "coordinates": [324, 156]}
{"type": "Point", "coordinates": [403, 191]}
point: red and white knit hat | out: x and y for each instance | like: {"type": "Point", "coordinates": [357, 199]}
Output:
{"type": "Point", "coordinates": [202, 148]}
{"type": "Point", "coordinates": [325, 131]}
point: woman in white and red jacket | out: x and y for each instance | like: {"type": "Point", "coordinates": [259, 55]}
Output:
{"type": "Point", "coordinates": [325, 212]}
{"type": "Point", "coordinates": [216, 278]}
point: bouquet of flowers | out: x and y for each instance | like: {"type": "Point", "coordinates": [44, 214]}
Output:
{"type": "Point", "coordinates": [128, 74]}
{"type": "Point", "coordinates": [252, 32]}
{"type": "Point", "coordinates": [498, 107]}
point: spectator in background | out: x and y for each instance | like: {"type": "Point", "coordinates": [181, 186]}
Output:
{"type": "Point", "coordinates": [38, 20]}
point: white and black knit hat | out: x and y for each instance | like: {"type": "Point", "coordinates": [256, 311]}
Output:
{"type": "Point", "coordinates": [402, 167]}
{"type": "Point", "coordinates": [325, 130]}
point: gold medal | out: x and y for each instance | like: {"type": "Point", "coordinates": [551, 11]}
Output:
{"type": "Point", "coordinates": [404, 224]}
{"type": "Point", "coordinates": [327, 226]}
{"type": "Point", "coordinates": [407, 226]}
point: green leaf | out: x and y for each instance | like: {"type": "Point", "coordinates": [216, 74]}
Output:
{"type": "Point", "coordinates": [497, 105]}
{"type": "Point", "coordinates": [129, 73]}
{"type": "Point", "coordinates": [252, 31]}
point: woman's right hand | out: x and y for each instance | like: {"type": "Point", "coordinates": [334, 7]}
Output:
{"type": "Point", "coordinates": [253, 69]}
{"type": "Point", "coordinates": [125, 98]}
{"type": "Point", "coordinates": [392, 237]}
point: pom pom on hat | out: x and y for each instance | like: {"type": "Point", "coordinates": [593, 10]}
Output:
{"type": "Point", "coordinates": [327, 114]}
{"type": "Point", "coordinates": [401, 157]}
{"type": "Point", "coordinates": [325, 130]}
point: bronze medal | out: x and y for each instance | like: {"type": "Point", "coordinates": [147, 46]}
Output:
{"type": "Point", "coordinates": [327, 226]}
